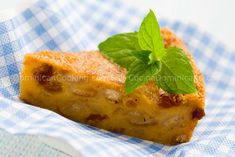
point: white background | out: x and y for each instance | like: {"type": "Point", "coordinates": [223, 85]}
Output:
{"type": "Point", "coordinates": [216, 17]}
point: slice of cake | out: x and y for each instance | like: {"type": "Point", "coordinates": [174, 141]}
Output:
{"type": "Point", "coordinates": [88, 88]}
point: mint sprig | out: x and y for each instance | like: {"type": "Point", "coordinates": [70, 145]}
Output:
{"type": "Point", "coordinates": [145, 58]}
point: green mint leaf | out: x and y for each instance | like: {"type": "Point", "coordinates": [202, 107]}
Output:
{"type": "Point", "coordinates": [150, 38]}
{"type": "Point", "coordinates": [119, 48]}
{"type": "Point", "coordinates": [139, 73]}
{"type": "Point", "coordinates": [176, 73]}
{"type": "Point", "coordinates": [142, 55]}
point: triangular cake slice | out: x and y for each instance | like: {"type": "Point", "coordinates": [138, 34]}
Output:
{"type": "Point", "coordinates": [87, 88]}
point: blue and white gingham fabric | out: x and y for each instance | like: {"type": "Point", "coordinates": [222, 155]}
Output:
{"type": "Point", "coordinates": [25, 146]}
{"type": "Point", "coordinates": [75, 25]}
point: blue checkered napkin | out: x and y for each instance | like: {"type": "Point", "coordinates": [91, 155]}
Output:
{"type": "Point", "coordinates": [69, 25]}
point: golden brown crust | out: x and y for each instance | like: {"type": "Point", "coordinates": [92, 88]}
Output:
{"type": "Point", "coordinates": [92, 64]}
